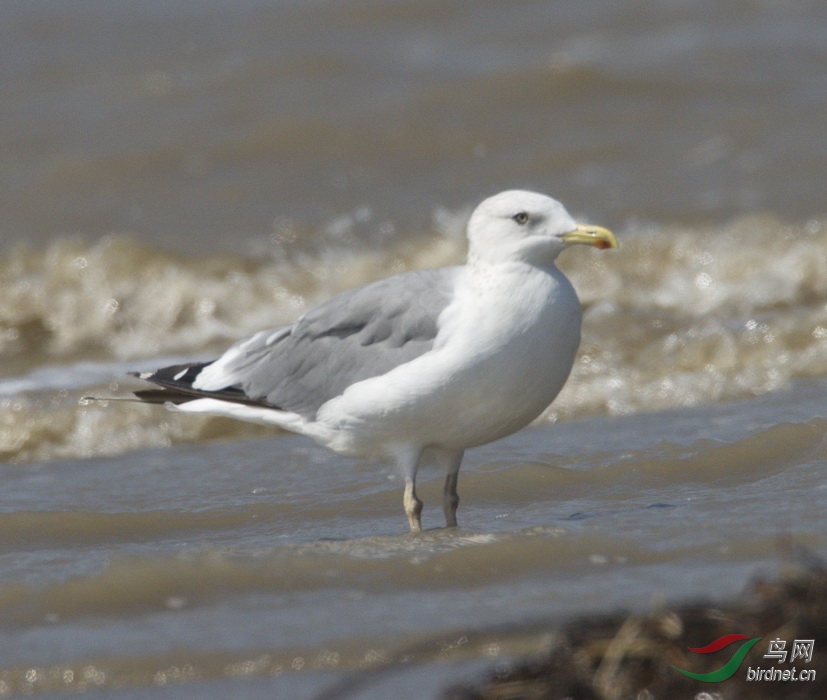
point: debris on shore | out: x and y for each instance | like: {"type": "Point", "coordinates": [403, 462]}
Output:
{"type": "Point", "coordinates": [637, 657]}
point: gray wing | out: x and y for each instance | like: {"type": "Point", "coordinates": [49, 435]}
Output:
{"type": "Point", "coordinates": [356, 335]}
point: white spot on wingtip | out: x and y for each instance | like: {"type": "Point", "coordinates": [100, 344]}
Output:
{"type": "Point", "coordinates": [180, 374]}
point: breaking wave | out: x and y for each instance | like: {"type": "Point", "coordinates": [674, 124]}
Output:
{"type": "Point", "coordinates": [677, 316]}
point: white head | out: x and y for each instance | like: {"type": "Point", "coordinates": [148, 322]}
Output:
{"type": "Point", "coordinates": [517, 225]}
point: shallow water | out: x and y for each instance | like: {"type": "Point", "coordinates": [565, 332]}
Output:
{"type": "Point", "coordinates": [269, 558]}
{"type": "Point", "coordinates": [178, 176]}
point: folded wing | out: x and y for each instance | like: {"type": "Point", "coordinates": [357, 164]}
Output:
{"type": "Point", "coordinates": [357, 335]}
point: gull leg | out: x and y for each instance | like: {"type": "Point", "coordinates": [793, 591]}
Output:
{"type": "Point", "coordinates": [413, 506]}
{"type": "Point", "coordinates": [407, 460]}
{"type": "Point", "coordinates": [450, 497]}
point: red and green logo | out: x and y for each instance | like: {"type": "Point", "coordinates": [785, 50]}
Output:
{"type": "Point", "coordinates": [731, 666]}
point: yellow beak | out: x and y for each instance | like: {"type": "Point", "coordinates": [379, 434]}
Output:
{"type": "Point", "coordinates": [597, 236]}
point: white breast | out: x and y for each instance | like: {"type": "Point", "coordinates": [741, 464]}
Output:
{"type": "Point", "coordinates": [489, 373]}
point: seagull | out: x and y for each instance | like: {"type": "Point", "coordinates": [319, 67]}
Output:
{"type": "Point", "coordinates": [419, 367]}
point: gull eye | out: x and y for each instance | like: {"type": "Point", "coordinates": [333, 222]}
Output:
{"type": "Point", "coordinates": [521, 218]}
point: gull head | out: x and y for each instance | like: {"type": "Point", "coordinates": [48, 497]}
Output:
{"type": "Point", "coordinates": [521, 226]}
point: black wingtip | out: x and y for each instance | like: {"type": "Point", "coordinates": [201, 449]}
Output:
{"type": "Point", "coordinates": [163, 396]}
{"type": "Point", "coordinates": [175, 384]}
{"type": "Point", "coordinates": [172, 376]}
